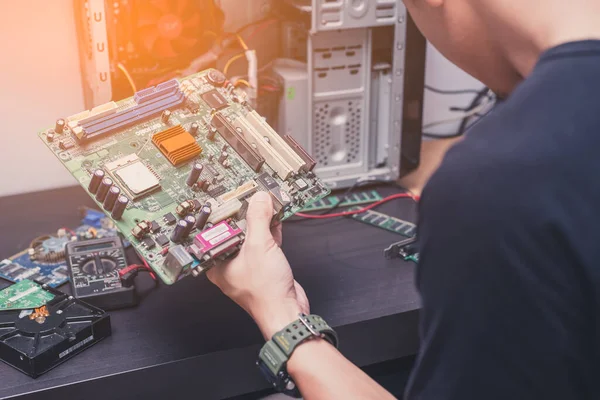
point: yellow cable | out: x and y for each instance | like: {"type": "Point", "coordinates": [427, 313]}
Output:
{"type": "Point", "coordinates": [231, 61]}
{"type": "Point", "coordinates": [242, 43]}
{"type": "Point", "coordinates": [128, 76]}
{"type": "Point", "coordinates": [243, 82]}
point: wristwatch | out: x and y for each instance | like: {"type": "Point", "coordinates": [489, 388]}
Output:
{"type": "Point", "coordinates": [274, 355]}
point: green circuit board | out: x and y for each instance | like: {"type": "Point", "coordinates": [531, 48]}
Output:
{"type": "Point", "coordinates": [148, 145]}
{"type": "Point", "coordinates": [352, 199]}
{"type": "Point", "coordinates": [25, 294]}
{"type": "Point", "coordinates": [386, 222]}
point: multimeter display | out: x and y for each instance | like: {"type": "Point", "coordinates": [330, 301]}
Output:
{"type": "Point", "coordinates": [94, 267]}
{"type": "Point", "coordinates": [92, 247]}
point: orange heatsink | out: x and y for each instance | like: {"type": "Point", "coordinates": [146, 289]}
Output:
{"type": "Point", "coordinates": [177, 144]}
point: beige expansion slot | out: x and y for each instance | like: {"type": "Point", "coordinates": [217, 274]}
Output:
{"type": "Point", "coordinates": [272, 157]}
{"type": "Point", "coordinates": [278, 143]}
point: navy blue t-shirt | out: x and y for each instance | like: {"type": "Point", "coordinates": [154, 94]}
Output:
{"type": "Point", "coordinates": [509, 272]}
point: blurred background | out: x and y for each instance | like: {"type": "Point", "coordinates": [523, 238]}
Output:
{"type": "Point", "coordinates": [46, 72]}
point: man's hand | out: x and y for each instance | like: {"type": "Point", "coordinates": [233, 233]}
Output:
{"type": "Point", "coordinates": [260, 279]}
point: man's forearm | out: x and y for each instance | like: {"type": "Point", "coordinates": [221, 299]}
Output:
{"type": "Point", "coordinates": [322, 372]}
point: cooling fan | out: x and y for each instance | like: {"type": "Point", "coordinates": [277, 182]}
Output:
{"type": "Point", "coordinates": [169, 29]}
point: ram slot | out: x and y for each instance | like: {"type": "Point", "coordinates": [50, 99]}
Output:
{"type": "Point", "coordinates": [237, 142]}
{"type": "Point", "coordinates": [275, 160]}
{"type": "Point", "coordinates": [149, 103]}
{"type": "Point", "coordinates": [276, 141]}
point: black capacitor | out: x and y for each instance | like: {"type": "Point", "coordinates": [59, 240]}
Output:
{"type": "Point", "coordinates": [191, 221]}
{"type": "Point", "coordinates": [60, 125]}
{"type": "Point", "coordinates": [119, 208]}
{"type": "Point", "coordinates": [165, 116]}
{"type": "Point", "coordinates": [95, 182]}
{"type": "Point", "coordinates": [194, 174]}
{"type": "Point", "coordinates": [203, 216]}
{"type": "Point", "coordinates": [111, 198]}
{"type": "Point", "coordinates": [194, 128]}
{"type": "Point", "coordinates": [179, 231]}
{"type": "Point", "coordinates": [103, 189]}
{"type": "Point", "coordinates": [201, 184]}
{"type": "Point", "coordinates": [223, 156]}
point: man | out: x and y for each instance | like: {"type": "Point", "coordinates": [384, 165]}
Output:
{"type": "Point", "coordinates": [510, 260]}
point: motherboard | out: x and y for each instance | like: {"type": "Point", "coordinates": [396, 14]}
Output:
{"type": "Point", "coordinates": [175, 165]}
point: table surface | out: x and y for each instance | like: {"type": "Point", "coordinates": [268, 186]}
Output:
{"type": "Point", "coordinates": [189, 338]}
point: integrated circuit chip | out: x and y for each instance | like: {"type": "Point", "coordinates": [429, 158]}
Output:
{"type": "Point", "coordinates": [162, 240]}
{"type": "Point", "coordinates": [136, 178]}
{"type": "Point", "coordinates": [170, 219]}
{"type": "Point", "coordinates": [214, 99]}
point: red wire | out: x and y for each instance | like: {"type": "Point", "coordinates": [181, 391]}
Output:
{"type": "Point", "coordinates": [152, 274]}
{"type": "Point", "coordinates": [71, 231]}
{"type": "Point", "coordinates": [261, 28]}
{"type": "Point", "coordinates": [361, 210]}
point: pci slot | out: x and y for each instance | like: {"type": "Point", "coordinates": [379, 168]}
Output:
{"type": "Point", "coordinates": [276, 141]}
{"type": "Point", "coordinates": [150, 102]}
{"type": "Point", "coordinates": [274, 159]}
{"type": "Point", "coordinates": [237, 142]}
{"type": "Point", "coordinates": [309, 162]}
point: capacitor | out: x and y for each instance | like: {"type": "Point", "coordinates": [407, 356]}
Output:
{"type": "Point", "coordinates": [191, 221]}
{"type": "Point", "coordinates": [59, 127]}
{"type": "Point", "coordinates": [50, 136]}
{"type": "Point", "coordinates": [211, 133]}
{"type": "Point", "coordinates": [119, 208]}
{"type": "Point", "coordinates": [223, 157]}
{"type": "Point", "coordinates": [194, 174]}
{"type": "Point", "coordinates": [203, 216]}
{"type": "Point", "coordinates": [95, 182]}
{"type": "Point", "coordinates": [216, 77]}
{"type": "Point", "coordinates": [194, 128]}
{"type": "Point", "coordinates": [165, 116]}
{"type": "Point", "coordinates": [179, 231]}
{"type": "Point", "coordinates": [111, 198]}
{"type": "Point", "coordinates": [103, 189]}
{"type": "Point", "coordinates": [201, 184]}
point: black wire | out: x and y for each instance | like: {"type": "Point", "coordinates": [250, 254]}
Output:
{"type": "Point", "coordinates": [441, 136]}
{"type": "Point", "coordinates": [475, 103]}
{"type": "Point", "coordinates": [443, 91]}
{"type": "Point", "coordinates": [464, 124]}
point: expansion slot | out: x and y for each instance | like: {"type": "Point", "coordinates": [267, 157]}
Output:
{"type": "Point", "coordinates": [237, 142]}
{"type": "Point", "coordinates": [350, 200]}
{"type": "Point", "coordinates": [105, 119]}
{"type": "Point", "coordinates": [273, 158]}
{"type": "Point", "coordinates": [386, 222]}
{"type": "Point", "coordinates": [309, 162]}
{"type": "Point", "coordinates": [280, 146]}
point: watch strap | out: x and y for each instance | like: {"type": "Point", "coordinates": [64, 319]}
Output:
{"type": "Point", "coordinates": [306, 327]}
{"type": "Point", "coordinates": [274, 355]}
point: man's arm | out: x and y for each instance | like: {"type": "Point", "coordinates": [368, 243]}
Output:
{"type": "Point", "coordinates": [322, 372]}
{"type": "Point", "coordinates": [260, 280]}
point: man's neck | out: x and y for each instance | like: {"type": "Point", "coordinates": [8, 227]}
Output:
{"type": "Point", "coordinates": [525, 55]}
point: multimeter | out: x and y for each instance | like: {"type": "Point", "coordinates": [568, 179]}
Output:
{"type": "Point", "coordinates": [94, 267]}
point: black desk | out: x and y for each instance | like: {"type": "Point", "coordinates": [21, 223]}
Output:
{"type": "Point", "coordinates": [188, 340]}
